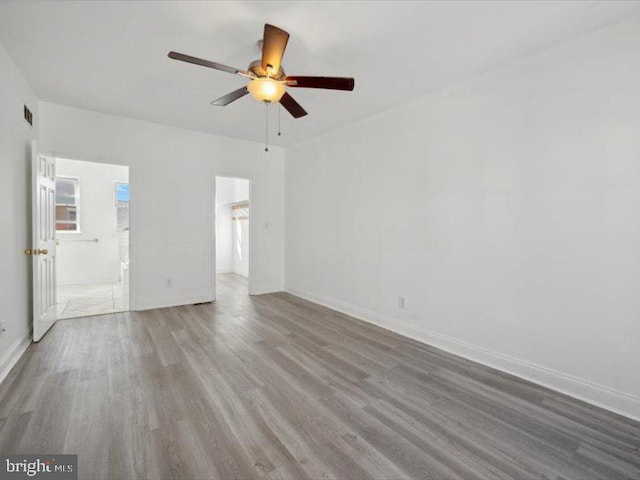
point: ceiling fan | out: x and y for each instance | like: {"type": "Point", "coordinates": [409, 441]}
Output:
{"type": "Point", "coordinates": [268, 82]}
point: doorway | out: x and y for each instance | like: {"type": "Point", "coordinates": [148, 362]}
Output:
{"type": "Point", "coordinates": [92, 238]}
{"type": "Point", "coordinates": [232, 214]}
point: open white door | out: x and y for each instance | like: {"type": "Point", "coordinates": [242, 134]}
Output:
{"type": "Point", "coordinates": [44, 242]}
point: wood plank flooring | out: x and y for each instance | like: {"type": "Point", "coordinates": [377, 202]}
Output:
{"type": "Point", "coordinates": [277, 387]}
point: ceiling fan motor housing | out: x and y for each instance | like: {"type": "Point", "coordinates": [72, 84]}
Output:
{"type": "Point", "coordinates": [256, 68]}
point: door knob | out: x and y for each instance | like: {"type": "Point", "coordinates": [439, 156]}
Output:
{"type": "Point", "coordinates": [36, 251]}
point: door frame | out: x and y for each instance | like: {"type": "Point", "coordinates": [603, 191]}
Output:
{"type": "Point", "coordinates": [133, 188]}
{"type": "Point", "coordinates": [252, 229]}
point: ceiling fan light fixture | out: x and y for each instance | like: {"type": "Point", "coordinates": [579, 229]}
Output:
{"type": "Point", "coordinates": [266, 89]}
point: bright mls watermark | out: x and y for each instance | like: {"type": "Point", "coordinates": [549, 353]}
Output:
{"type": "Point", "coordinates": [38, 467]}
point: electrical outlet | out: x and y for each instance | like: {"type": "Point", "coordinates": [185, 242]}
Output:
{"type": "Point", "coordinates": [402, 302]}
{"type": "Point", "coordinates": [168, 283]}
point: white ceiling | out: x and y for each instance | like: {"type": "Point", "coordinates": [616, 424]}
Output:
{"type": "Point", "coordinates": [112, 56]}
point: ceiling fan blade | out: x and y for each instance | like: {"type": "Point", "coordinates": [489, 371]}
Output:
{"type": "Point", "coordinates": [230, 97]}
{"type": "Point", "coordinates": [330, 83]}
{"type": "Point", "coordinates": [206, 63]}
{"type": "Point", "coordinates": [292, 106]}
{"type": "Point", "coordinates": [273, 45]}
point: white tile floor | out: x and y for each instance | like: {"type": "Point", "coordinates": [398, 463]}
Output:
{"type": "Point", "coordinates": [91, 299]}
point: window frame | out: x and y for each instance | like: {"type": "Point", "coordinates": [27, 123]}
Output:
{"type": "Point", "coordinates": [115, 206]}
{"type": "Point", "coordinates": [77, 205]}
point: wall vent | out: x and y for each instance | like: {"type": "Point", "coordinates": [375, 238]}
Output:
{"type": "Point", "coordinates": [28, 116]}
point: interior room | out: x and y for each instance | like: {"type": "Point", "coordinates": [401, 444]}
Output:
{"type": "Point", "coordinates": [232, 234]}
{"type": "Point", "coordinates": [320, 240]}
{"type": "Point", "coordinates": [92, 238]}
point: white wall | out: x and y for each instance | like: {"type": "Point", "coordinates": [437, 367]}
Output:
{"type": "Point", "coordinates": [15, 211]}
{"type": "Point", "coordinates": [231, 190]}
{"type": "Point", "coordinates": [241, 247]}
{"type": "Point", "coordinates": [225, 195]}
{"type": "Point", "coordinates": [80, 261]}
{"type": "Point", "coordinates": [232, 239]}
{"type": "Point", "coordinates": [505, 209]}
{"type": "Point", "coordinates": [172, 178]}
{"type": "Point", "coordinates": [224, 239]}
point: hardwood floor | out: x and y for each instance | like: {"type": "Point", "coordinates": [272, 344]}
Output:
{"type": "Point", "coordinates": [277, 387]}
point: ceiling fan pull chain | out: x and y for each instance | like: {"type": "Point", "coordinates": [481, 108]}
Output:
{"type": "Point", "coordinates": [279, 110]}
{"type": "Point", "coordinates": [266, 127]}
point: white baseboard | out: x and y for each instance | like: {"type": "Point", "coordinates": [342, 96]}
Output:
{"type": "Point", "coordinates": [12, 355]}
{"type": "Point", "coordinates": [599, 395]}
{"type": "Point", "coordinates": [171, 301]}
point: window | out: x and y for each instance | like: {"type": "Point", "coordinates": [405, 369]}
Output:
{"type": "Point", "coordinates": [67, 205]}
{"type": "Point", "coordinates": [122, 207]}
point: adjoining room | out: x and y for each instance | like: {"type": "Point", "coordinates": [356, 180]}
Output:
{"type": "Point", "coordinates": [92, 234]}
{"type": "Point", "coordinates": [232, 235]}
